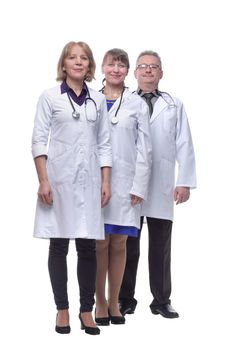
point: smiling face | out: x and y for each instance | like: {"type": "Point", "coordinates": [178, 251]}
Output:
{"type": "Point", "coordinates": [148, 72]}
{"type": "Point", "coordinates": [76, 64]}
{"type": "Point", "coordinates": [114, 71]}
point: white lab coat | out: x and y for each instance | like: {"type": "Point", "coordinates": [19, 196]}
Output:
{"type": "Point", "coordinates": [76, 152]}
{"type": "Point", "coordinates": [131, 147]}
{"type": "Point", "coordinates": [171, 143]}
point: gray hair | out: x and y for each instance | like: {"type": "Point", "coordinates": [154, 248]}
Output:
{"type": "Point", "coordinates": [150, 53]}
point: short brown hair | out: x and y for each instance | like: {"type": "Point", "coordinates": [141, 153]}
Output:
{"type": "Point", "coordinates": [61, 74]}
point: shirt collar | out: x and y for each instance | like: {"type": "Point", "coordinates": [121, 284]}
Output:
{"type": "Point", "coordinates": [65, 88]}
{"type": "Point", "coordinates": [141, 92]}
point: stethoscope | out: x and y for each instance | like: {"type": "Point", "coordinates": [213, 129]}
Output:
{"type": "Point", "coordinates": [115, 118]}
{"type": "Point", "coordinates": [161, 94]}
{"type": "Point", "coordinates": [76, 114]}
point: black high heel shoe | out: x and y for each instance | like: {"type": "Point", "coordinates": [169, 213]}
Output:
{"type": "Point", "coordinates": [89, 330]}
{"type": "Point", "coordinates": [102, 321]}
{"type": "Point", "coordinates": [62, 329]}
{"type": "Point", "coordinates": [116, 319]}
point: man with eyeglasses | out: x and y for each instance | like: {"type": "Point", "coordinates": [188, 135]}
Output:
{"type": "Point", "coordinates": [171, 144]}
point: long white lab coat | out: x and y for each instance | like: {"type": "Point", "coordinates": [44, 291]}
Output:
{"type": "Point", "coordinates": [77, 149]}
{"type": "Point", "coordinates": [171, 143]}
{"type": "Point", "coordinates": [131, 147]}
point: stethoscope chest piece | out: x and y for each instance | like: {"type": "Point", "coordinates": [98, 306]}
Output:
{"type": "Point", "coordinates": [75, 115]}
{"type": "Point", "coordinates": [114, 120]}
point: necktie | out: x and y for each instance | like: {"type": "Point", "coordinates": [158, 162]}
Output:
{"type": "Point", "coordinates": [148, 97]}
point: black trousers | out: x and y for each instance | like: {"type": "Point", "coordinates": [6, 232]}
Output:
{"type": "Point", "coordinates": [86, 271]}
{"type": "Point", "coordinates": [159, 259]}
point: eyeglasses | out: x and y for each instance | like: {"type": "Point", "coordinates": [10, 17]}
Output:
{"type": "Point", "coordinates": [145, 66]}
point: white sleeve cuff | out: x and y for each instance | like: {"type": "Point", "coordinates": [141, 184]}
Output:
{"type": "Point", "coordinates": [39, 150]}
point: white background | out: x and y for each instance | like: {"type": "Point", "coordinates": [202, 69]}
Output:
{"type": "Point", "coordinates": [194, 39]}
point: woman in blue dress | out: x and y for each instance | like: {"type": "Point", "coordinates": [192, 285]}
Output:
{"type": "Point", "coordinates": [131, 147]}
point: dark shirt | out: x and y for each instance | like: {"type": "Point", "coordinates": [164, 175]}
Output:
{"type": "Point", "coordinates": [153, 99]}
{"type": "Point", "coordinates": [77, 99]}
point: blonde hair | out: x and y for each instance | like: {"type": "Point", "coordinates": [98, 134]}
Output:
{"type": "Point", "coordinates": [61, 74]}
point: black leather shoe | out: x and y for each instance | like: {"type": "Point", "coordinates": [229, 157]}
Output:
{"type": "Point", "coordinates": [102, 321]}
{"type": "Point", "coordinates": [165, 310]}
{"type": "Point", "coordinates": [127, 307]}
{"type": "Point", "coordinates": [116, 319]}
{"type": "Point", "coordinates": [89, 330]}
{"type": "Point", "coordinates": [62, 330]}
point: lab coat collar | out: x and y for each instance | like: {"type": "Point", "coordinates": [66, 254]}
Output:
{"type": "Point", "coordinates": [125, 97]}
{"type": "Point", "coordinates": [159, 106]}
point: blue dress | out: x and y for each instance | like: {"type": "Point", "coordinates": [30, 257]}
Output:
{"type": "Point", "coordinates": [117, 229]}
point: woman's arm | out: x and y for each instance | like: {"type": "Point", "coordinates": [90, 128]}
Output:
{"type": "Point", "coordinates": [105, 186]}
{"type": "Point", "coordinates": [44, 191]}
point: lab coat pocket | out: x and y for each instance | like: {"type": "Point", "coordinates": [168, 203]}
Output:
{"type": "Point", "coordinates": [95, 169]}
{"type": "Point", "coordinates": [127, 118]}
{"type": "Point", "coordinates": [166, 176]}
{"type": "Point", "coordinates": [57, 149]}
{"type": "Point", "coordinates": [169, 123]}
{"type": "Point", "coordinates": [61, 168]}
{"type": "Point", "coordinates": [122, 179]}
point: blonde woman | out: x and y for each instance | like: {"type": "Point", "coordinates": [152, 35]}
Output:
{"type": "Point", "coordinates": [71, 121]}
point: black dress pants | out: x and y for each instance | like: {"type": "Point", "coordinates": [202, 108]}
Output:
{"type": "Point", "coordinates": [86, 271]}
{"type": "Point", "coordinates": [159, 259]}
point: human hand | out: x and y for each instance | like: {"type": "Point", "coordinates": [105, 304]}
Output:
{"type": "Point", "coordinates": [181, 194]}
{"type": "Point", "coordinates": [45, 193]}
{"type": "Point", "coordinates": [105, 194]}
{"type": "Point", "coordinates": [135, 199]}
